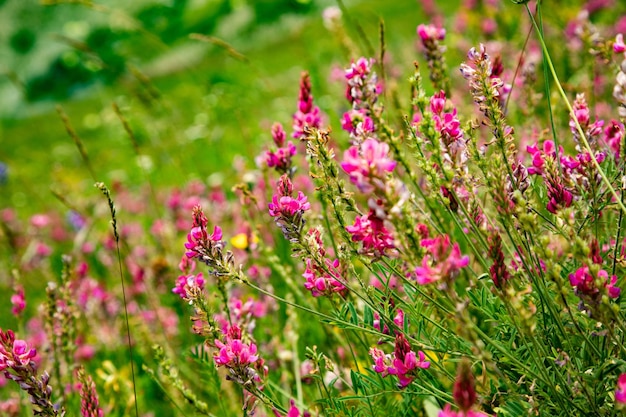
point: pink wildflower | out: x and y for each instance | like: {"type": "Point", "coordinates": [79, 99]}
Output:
{"type": "Point", "coordinates": [368, 164]}
{"type": "Point", "coordinates": [18, 301]}
{"type": "Point", "coordinates": [235, 353]}
{"type": "Point", "coordinates": [323, 281]}
{"type": "Point", "coordinates": [430, 32]}
{"type": "Point", "coordinates": [620, 392]}
{"type": "Point", "coordinates": [370, 230]}
{"type": "Point", "coordinates": [288, 211]}
{"type": "Point", "coordinates": [404, 362]}
{"type": "Point", "coordinates": [613, 136]}
{"type": "Point", "coordinates": [308, 115]}
{"type": "Point", "coordinates": [585, 283]}
{"type": "Point", "coordinates": [280, 159]}
{"type": "Point", "coordinates": [187, 286]}
{"type": "Point", "coordinates": [363, 88]}
{"type": "Point", "coordinates": [619, 46]}
{"type": "Point", "coordinates": [443, 261]}
{"type": "Point", "coordinates": [357, 123]}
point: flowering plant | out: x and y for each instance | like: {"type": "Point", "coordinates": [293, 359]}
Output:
{"type": "Point", "coordinates": [448, 251]}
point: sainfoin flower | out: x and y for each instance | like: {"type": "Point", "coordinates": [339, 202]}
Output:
{"type": "Point", "coordinates": [287, 210]}
{"type": "Point", "coordinates": [308, 115]}
{"type": "Point", "coordinates": [620, 392]}
{"type": "Point", "coordinates": [368, 165]}
{"type": "Point", "coordinates": [323, 280]}
{"type": "Point", "coordinates": [442, 262]}
{"type": "Point", "coordinates": [585, 283]}
{"type": "Point", "coordinates": [18, 300]}
{"type": "Point", "coordinates": [371, 231]}
{"type": "Point", "coordinates": [403, 362]}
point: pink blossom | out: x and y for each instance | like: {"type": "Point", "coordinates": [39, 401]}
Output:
{"type": "Point", "coordinates": [403, 362]}
{"type": "Point", "coordinates": [371, 231]}
{"type": "Point", "coordinates": [323, 281]}
{"type": "Point", "coordinates": [18, 301]}
{"type": "Point", "coordinates": [585, 283]}
{"type": "Point", "coordinates": [357, 123]}
{"type": "Point", "coordinates": [613, 136]}
{"type": "Point", "coordinates": [187, 285]}
{"type": "Point", "coordinates": [198, 237]}
{"type": "Point", "coordinates": [443, 261]}
{"type": "Point", "coordinates": [619, 46]}
{"type": "Point", "coordinates": [235, 353]}
{"type": "Point", "coordinates": [308, 115]}
{"type": "Point", "coordinates": [281, 157]}
{"type": "Point", "coordinates": [359, 69]}
{"type": "Point", "coordinates": [22, 354]}
{"type": "Point", "coordinates": [288, 206]}
{"type": "Point", "coordinates": [430, 32]}
{"type": "Point", "coordinates": [368, 164]}
{"type": "Point", "coordinates": [620, 392]}
{"type": "Point", "coordinates": [438, 102]}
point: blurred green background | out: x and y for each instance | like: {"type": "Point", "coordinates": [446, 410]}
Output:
{"type": "Point", "coordinates": [193, 104]}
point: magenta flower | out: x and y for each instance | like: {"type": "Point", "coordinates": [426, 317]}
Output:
{"type": "Point", "coordinates": [371, 231]}
{"type": "Point", "coordinates": [198, 237]}
{"type": "Point", "coordinates": [619, 46]}
{"type": "Point", "coordinates": [18, 301]}
{"type": "Point", "coordinates": [428, 33]}
{"type": "Point", "coordinates": [288, 211]}
{"type": "Point", "coordinates": [442, 262]}
{"type": "Point", "coordinates": [363, 88]}
{"type": "Point", "coordinates": [280, 159]}
{"type": "Point", "coordinates": [404, 363]}
{"type": "Point", "coordinates": [187, 286]}
{"type": "Point", "coordinates": [585, 283]}
{"type": "Point", "coordinates": [357, 123]}
{"type": "Point", "coordinates": [235, 354]}
{"type": "Point", "coordinates": [22, 354]}
{"type": "Point", "coordinates": [382, 361]}
{"type": "Point", "coordinates": [620, 392]}
{"type": "Point", "coordinates": [288, 206]}
{"type": "Point", "coordinates": [613, 136]}
{"type": "Point", "coordinates": [323, 281]}
{"type": "Point", "coordinates": [308, 115]}
{"type": "Point", "coordinates": [368, 164]}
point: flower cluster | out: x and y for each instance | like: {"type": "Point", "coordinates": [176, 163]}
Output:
{"type": "Point", "coordinates": [308, 115]}
{"type": "Point", "coordinates": [17, 363]}
{"type": "Point", "coordinates": [323, 276]}
{"type": "Point", "coordinates": [582, 116]}
{"type": "Point", "coordinates": [280, 158]}
{"type": "Point", "coordinates": [239, 358]}
{"type": "Point", "coordinates": [404, 363]}
{"type": "Point", "coordinates": [288, 211]}
{"type": "Point", "coordinates": [452, 143]}
{"type": "Point", "coordinates": [189, 285]}
{"type": "Point", "coordinates": [89, 402]}
{"type": "Point", "coordinates": [370, 230]}
{"type": "Point", "coordinates": [362, 92]}
{"type": "Point", "coordinates": [442, 262]}
{"type": "Point", "coordinates": [368, 165]}
{"type": "Point", "coordinates": [209, 249]}
{"type": "Point", "coordinates": [588, 286]}
{"type": "Point", "coordinates": [431, 37]}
